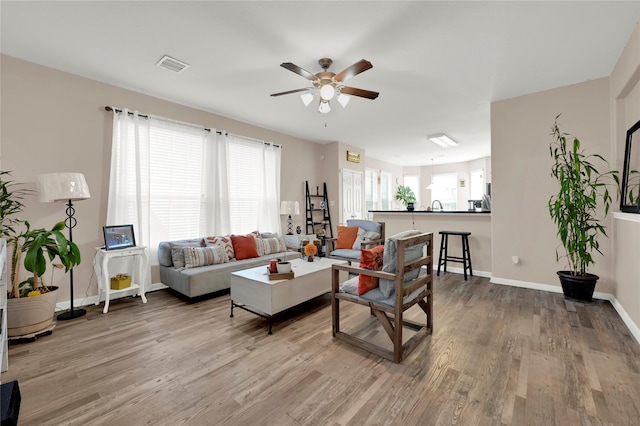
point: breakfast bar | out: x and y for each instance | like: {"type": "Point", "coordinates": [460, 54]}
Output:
{"type": "Point", "coordinates": [476, 222]}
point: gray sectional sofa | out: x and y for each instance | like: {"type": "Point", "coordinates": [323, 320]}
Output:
{"type": "Point", "coordinates": [204, 280]}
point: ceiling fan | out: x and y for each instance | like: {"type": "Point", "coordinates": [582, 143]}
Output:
{"type": "Point", "coordinates": [329, 84]}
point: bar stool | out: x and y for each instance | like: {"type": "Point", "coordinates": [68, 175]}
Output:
{"type": "Point", "coordinates": [466, 253]}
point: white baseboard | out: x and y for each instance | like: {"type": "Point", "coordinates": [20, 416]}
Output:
{"type": "Point", "coordinates": [633, 327]}
{"type": "Point", "coordinates": [460, 271]}
{"type": "Point", "coordinates": [91, 300]}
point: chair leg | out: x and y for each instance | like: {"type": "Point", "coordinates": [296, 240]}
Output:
{"type": "Point", "coordinates": [443, 250]}
{"type": "Point", "coordinates": [464, 256]}
{"type": "Point", "coordinates": [466, 238]}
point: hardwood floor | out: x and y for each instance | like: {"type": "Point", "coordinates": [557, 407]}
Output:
{"type": "Point", "coordinates": [498, 355]}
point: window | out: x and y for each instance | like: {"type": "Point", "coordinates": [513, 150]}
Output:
{"type": "Point", "coordinates": [174, 180]}
{"type": "Point", "coordinates": [370, 189]}
{"type": "Point", "coordinates": [445, 190]}
{"type": "Point", "coordinates": [385, 191]}
{"type": "Point", "coordinates": [413, 182]}
{"type": "Point", "coordinates": [377, 187]}
{"type": "Point", "coordinates": [476, 190]}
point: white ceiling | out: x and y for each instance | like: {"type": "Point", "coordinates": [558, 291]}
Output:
{"type": "Point", "coordinates": [437, 65]}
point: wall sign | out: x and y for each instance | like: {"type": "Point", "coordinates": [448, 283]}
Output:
{"type": "Point", "coordinates": [354, 157]}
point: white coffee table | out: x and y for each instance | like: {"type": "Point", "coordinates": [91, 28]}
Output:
{"type": "Point", "coordinates": [252, 290]}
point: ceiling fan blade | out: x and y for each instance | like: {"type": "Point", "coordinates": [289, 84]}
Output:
{"type": "Point", "coordinates": [288, 92]}
{"type": "Point", "coordinates": [353, 70]}
{"type": "Point", "coordinates": [300, 71]}
{"type": "Point", "coordinates": [359, 92]}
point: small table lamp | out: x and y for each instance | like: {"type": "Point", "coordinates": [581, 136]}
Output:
{"type": "Point", "coordinates": [66, 187]}
{"type": "Point", "coordinates": [289, 207]}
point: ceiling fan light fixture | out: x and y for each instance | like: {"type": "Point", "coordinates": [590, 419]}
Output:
{"type": "Point", "coordinates": [344, 99]}
{"type": "Point", "coordinates": [306, 98]}
{"type": "Point", "coordinates": [327, 91]}
{"type": "Point", "coordinates": [442, 140]}
{"type": "Point", "coordinates": [324, 107]}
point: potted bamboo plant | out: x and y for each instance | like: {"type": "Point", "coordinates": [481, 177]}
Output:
{"type": "Point", "coordinates": [406, 195]}
{"type": "Point", "coordinates": [31, 303]}
{"type": "Point", "coordinates": [575, 210]}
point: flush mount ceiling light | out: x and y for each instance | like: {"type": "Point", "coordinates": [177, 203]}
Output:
{"type": "Point", "coordinates": [442, 140]}
{"type": "Point", "coordinates": [328, 84]}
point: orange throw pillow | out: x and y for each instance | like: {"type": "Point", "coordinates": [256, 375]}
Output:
{"type": "Point", "coordinates": [369, 259]}
{"type": "Point", "coordinates": [244, 246]}
{"type": "Point", "coordinates": [346, 237]}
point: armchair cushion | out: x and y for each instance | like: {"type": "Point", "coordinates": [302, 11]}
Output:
{"type": "Point", "coordinates": [346, 237]}
{"type": "Point", "coordinates": [352, 255]}
{"type": "Point", "coordinates": [389, 260]}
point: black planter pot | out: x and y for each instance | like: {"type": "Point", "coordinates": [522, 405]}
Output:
{"type": "Point", "coordinates": [410, 207]}
{"type": "Point", "coordinates": [578, 287]}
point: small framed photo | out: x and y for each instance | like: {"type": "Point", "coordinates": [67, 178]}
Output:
{"type": "Point", "coordinates": [322, 205]}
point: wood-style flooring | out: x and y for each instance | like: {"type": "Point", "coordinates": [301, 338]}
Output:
{"type": "Point", "coordinates": [498, 355]}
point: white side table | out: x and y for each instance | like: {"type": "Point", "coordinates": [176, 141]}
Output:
{"type": "Point", "coordinates": [139, 277]}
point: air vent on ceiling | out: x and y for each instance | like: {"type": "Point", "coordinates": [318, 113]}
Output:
{"type": "Point", "coordinates": [172, 64]}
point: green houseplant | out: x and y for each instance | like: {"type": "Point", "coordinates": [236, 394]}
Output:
{"type": "Point", "coordinates": [575, 210]}
{"type": "Point", "coordinates": [28, 315]}
{"type": "Point", "coordinates": [406, 195]}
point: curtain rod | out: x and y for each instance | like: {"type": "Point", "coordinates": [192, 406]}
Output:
{"type": "Point", "coordinates": [118, 110]}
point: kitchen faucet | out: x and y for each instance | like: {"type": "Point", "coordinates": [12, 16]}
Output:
{"type": "Point", "coordinates": [434, 203]}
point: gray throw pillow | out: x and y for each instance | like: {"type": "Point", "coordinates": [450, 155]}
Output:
{"type": "Point", "coordinates": [177, 254]}
{"type": "Point", "coordinates": [387, 287]}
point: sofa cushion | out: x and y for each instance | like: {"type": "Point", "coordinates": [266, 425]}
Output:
{"type": "Point", "coordinates": [202, 256]}
{"type": "Point", "coordinates": [177, 253]}
{"type": "Point", "coordinates": [244, 246]}
{"type": "Point", "coordinates": [369, 259]}
{"type": "Point", "coordinates": [222, 241]}
{"type": "Point", "coordinates": [346, 237]}
{"type": "Point", "coordinates": [270, 245]}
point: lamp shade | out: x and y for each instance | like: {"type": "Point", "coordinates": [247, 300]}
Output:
{"type": "Point", "coordinates": [62, 187]}
{"type": "Point", "coordinates": [289, 207]}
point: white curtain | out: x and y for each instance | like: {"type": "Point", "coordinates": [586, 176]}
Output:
{"type": "Point", "coordinates": [217, 212]}
{"type": "Point", "coordinates": [130, 174]}
{"type": "Point", "coordinates": [175, 180]}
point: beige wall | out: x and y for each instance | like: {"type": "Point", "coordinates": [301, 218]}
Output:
{"type": "Point", "coordinates": [55, 121]}
{"type": "Point", "coordinates": [599, 112]}
{"type": "Point", "coordinates": [625, 102]}
{"type": "Point", "coordinates": [522, 182]}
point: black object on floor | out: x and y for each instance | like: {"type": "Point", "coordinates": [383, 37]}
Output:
{"type": "Point", "coordinates": [10, 403]}
{"type": "Point", "coordinates": [446, 257]}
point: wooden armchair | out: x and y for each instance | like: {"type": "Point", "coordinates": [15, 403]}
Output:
{"type": "Point", "coordinates": [352, 254]}
{"type": "Point", "coordinates": [406, 279]}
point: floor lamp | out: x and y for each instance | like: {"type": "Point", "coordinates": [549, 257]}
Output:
{"type": "Point", "coordinates": [65, 187]}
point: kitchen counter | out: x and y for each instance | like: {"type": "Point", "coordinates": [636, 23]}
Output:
{"type": "Point", "coordinates": [478, 223]}
{"type": "Point", "coordinates": [431, 211]}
